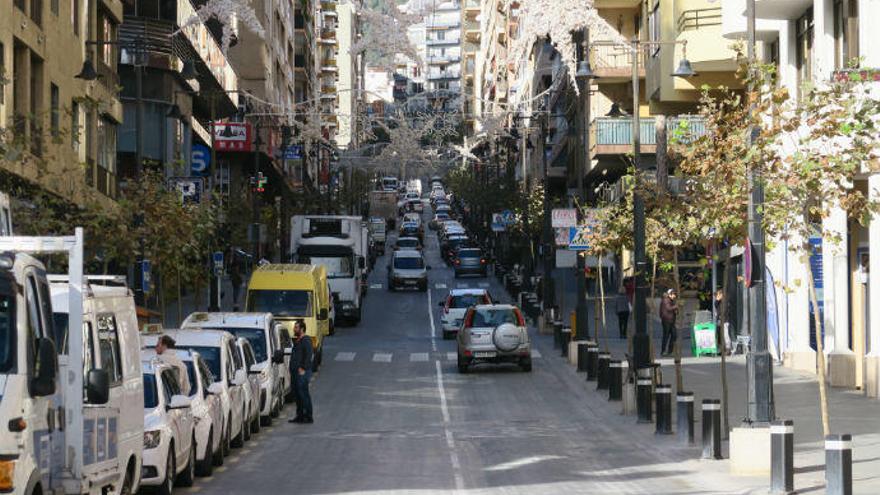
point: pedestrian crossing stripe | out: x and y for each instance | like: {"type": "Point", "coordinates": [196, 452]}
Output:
{"type": "Point", "coordinates": [462, 286]}
{"type": "Point", "coordinates": [418, 357]}
{"type": "Point", "coordinates": [439, 286]}
{"type": "Point", "coordinates": [382, 357]}
{"type": "Point", "coordinates": [345, 356]}
{"type": "Point", "coordinates": [451, 356]}
{"type": "Point", "coordinates": [483, 285]}
{"type": "Point", "coordinates": [375, 286]}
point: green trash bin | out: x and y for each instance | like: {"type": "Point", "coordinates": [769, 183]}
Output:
{"type": "Point", "coordinates": [703, 335]}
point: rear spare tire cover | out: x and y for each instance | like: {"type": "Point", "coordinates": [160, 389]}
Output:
{"type": "Point", "coordinates": [506, 337]}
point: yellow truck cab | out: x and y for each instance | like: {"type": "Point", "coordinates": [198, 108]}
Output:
{"type": "Point", "coordinates": [293, 292]}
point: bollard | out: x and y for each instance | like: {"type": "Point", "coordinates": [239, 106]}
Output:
{"type": "Point", "coordinates": [711, 429]}
{"type": "Point", "coordinates": [838, 464]}
{"type": "Point", "coordinates": [565, 339]}
{"type": "Point", "coordinates": [557, 334]}
{"type": "Point", "coordinates": [685, 412]}
{"type": "Point", "coordinates": [602, 370]}
{"type": "Point", "coordinates": [592, 362]}
{"type": "Point", "coordinates": [582, 356]}
{"type": "Point", "coordinates": [782, 457]}
{"type": "Point", "coordinates": [643, 395]}
{"type": "Point", "coordinates": [663, 404]}
{"type": "Point", "coordinates": [615, 379]}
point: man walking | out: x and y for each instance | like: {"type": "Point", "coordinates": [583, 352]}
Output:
{"type": "Point", "coordinates": [622, 305]}
{"type": "Point", "coordinates": [301, 371]}
{"type": "Point", "coordinates": [165, 351]}
{"type": "Point", "coordinates": [668, 315]}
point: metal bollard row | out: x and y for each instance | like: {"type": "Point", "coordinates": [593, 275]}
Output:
{"type": "Point", "coordinates": [685, 417]}
{"type": "Point", "coordinates": [616, 372]}
{"type": "Point", "coordinates": [602, 370]}
{"type": "Point", "coordinates": [712, 429]}
{"type": "Point", "coordinates": [663, 406]}
{"type": "Point", "coordinates": [838, 464]}
{"type": "Point", "coordinates": [782, 457]}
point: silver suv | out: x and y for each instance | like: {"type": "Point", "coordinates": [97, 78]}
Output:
{"type": "Point", "coordinates": [407, 269]}
{"type": "Point", "coordinates": [494, 333]}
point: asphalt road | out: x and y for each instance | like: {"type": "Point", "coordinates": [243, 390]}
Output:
{"type": "Point", "coordinates": [392, 415]}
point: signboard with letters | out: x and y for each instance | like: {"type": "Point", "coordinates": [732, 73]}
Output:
{"type": "Point", "coordinates": [563, 218]}
{"type": "Point", "coordinates": [201, 160]}
{"type": "Point", "coordinates": [232, 136]}
{"type": "Point", "coordinates": [191, 189]}
{"type": "Point", "coordinates": [293, 152]}
{"type": "Point", "coordinates": [498, 222]}
{"type": "Point", "coordinates": [562, 237]}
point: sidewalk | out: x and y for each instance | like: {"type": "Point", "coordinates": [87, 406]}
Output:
{"type": "Point", "coordinates": [796, 398]}
{"type": "Point", "coordinates": [191, 303]}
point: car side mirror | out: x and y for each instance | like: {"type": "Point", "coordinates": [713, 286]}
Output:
{"type": "Point", "coordinates": [179, 402]}
{"type": "Point", "coordinates": [278, 356]}
{"type": "Point", "coordinates": [43, 383]}
{"type": "Point", "coordinates": [322, 315]}
{"type": "Point", "coordinates": [215, 388]}
{"type": "Point", "coordinates": [98, 386]}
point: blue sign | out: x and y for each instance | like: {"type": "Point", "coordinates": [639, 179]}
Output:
{"type": "Point", "coordinates": [508, 218]}
{"type": "Point", "coordinates": [293, 152]}
{"type": "Point", "coordinates": [201, 160]}
{"type": "Point", "coordinates": [578, 238]}
{"type": "Point", "coordinates": [217, 258]}
{"type": "Point", "coordinates": [146, 277]}
{"type": "Point", "coordinates": [816, 269]}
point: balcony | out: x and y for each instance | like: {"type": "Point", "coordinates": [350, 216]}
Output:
{"type": "Point", "coordinates": [471, 9]}
{"type": "Point", "coordinates": [328, 37]}
{"type": "Point", "coordinates": [328, 5]}
{"type": "Point", "coordinates": [436, 24]}
{"type": "Point", "coordinates": [449, 58]}
{"type": "Point", "coordinates": [613, 135]}
{"type": "Point", "coordinates": [472, 35]}
{"type": "Point", "coordinates": [446, 41]}
{"type": "Point", "coordinates": [613, 64]}
{"type": "Point", "coordinates": [449, 74]}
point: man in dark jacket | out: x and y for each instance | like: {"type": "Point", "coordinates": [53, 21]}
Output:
{"type": "Point", "coordinates": [301, 371]}
{"type": "Point", "coordinates": [668, 315]}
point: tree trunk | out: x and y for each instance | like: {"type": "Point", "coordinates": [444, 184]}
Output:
{"type": "Point", "coordinates": [179, 300]}
{"type": "Point", "coordinates": [721, 336]}
{"type": "Point", "coordinates": [679, 381]}
{"type": "Point", "coordinates": [820, 354]}
{"type": "Point", "coordinates": [662, 157]}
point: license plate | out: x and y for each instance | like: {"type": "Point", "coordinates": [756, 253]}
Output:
{"type": "Point", "coordinates": [484, 354]}
{"type": "Point", "coordinates": [410, 282]}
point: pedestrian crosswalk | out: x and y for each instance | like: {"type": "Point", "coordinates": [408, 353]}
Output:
{"type": "Point", "coordinates": [412, 357]}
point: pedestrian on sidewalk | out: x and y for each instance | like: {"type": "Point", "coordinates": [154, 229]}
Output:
{"type": "Point", "coordinates": [236, 280]}
{"type": "Point", "coordinates": [621, 303]}
{"type": "Point", "coordinates": [165, 351]}
{"type": "Point", "coordinates": [668, 315]}
{"type": "Point", "coordinates": [301, 370]}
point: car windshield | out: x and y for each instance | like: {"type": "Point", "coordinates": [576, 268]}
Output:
{"type": "Point", "coordinates": [469, 253]}
{"type": "Point", "coordinates": [255, 336]}
{"type": "Point", "coordinates": [281, 303]}
{"type": "Point", "coordinates": [337, 266]}
{"type": "Point", "coordinates": [409, 263]}
{"type": "Point", "coordinates": [191, 373]}
{"type": "Point", "coordinates": [151, 395]}
{"type": "Point", "coordinates": [211, 355]}
{"type": "Point", "coordinates": [7, 335]}
{"type": "Point", "coordinates": [493, 317]}
{"type": "Point", "coordinates": [467, 300]}
{"type": "Point", "coordinates": [442, 216]}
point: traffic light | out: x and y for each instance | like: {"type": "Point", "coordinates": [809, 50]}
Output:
{"type": "Point", "coordinates": [258, 182]}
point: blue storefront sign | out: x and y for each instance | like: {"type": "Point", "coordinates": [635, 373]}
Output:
{"type": "Point", "coordinates": [146, 277]}
{"type": "Point", "coordinates": [201, 160]}
{"type": "Point", "coordinates": [816, 270]}
{"type": "Point", "coordinates": [293, 152]}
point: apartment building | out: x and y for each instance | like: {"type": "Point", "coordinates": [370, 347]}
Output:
{"type": "Point", "coordinates": [443, 55]}
{"type": "Point", "coordinates": [66, 126]}
{"type": "Point", "coordinates": [350, 80]}
{"type": "Point", "coordinates": [470, 46]}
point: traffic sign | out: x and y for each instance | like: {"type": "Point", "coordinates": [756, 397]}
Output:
{"type": "Point", "coordinates": [217, 258]}
{"type": "Point", "coordinates": [146, 277]}
{"type": "Point", "coordinates": [293, 152]}
{"type": "Point", "coordinates": [201, 160]}
{"type": "Point", "coordinates": [189, 188]}
{"type": "Point", "coordinates": [498, 224]}
{"type": "Point", "coordinates": [578, 238]}
{"type": "Point", "coordinates": [508, 218]}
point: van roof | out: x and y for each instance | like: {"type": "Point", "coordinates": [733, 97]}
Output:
{"type": "Point", "coordinates": [201, 338]}
{"type": "Point", "coordinates": [467, 292]}
{"type": "Point", "coordinates": [224, 320]}
{"type": "Point", "coordinates": [60, 300]}
{"type": "Point", "coordinates": [286, 267]}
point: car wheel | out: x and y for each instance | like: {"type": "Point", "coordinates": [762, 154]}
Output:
{"type": "Point", "coordinates": [206, 466]}
{"type": "Point", "coordinates": [332, 328]}
{"type": "Point", "coordinates": [246, 428]}
{"type": "Point", "coordinates": [526, 364]}
{"type": "Point", "coordinates": [188, 475]}
{"type": "Point", "coordinates": [390, 286]}
{"type": "Point", "coordinates": [127, 481]}
{"type": "Point", "coordinates": [462, 365]}
{"type": "Point", "coordinates": [227, 444]}
{"type": "Point", "coordinates": [457, 275]}
{"type": "Point", "coordinates": [256, 424]}
{"type": "Point", "coordinates": [167, 486]}
{"type": "Point", "coordinates": [319, 358]}
{"type": "Point", "coordinates": [447, 335]}
{"type": "Point", "coordinates": [238, 441]}
{"type": "Point", "coordinates": [267, 420]}
{"type": "Point", "coordinates": [217, 459]}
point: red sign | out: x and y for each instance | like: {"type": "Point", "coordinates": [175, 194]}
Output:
{"type": "Point", "coordinates": [232, 136]}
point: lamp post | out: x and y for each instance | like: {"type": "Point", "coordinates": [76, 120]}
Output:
{"type": "Point", "coordinates": [641, 338]}
{"type": "Point", "coordinates": [584, 75]}
{"type": "Point", "coordinates": [255, 195]}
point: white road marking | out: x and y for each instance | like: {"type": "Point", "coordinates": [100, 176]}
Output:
{"type": "Point", "coordinates": [418, 357]}
{"type": "Point", "coordinates": [536, 353]}
{"type": "Point", "coordinates": [451, 356]}
{"type": "Point", "coordinates": [382, 357]}
{"type": "Point", "coordinates": [431, 319]}
{"type": "Point", "coordinates": [463, 285]}
{"type": "Point", "coordinates": [439, 286]}
{"type": "Point", "coordinates": [345, 356]}
{"type": "Point", "coordinates": [450, 440]}
{"type": "Point", "coordinates": [375, 286]}
{"type": "Point", "coordinates": [483, 285]}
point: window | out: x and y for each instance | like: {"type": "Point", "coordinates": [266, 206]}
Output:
{"type": "Point", "coordinates": [107, 145]}
{"type": "Point", "coordinates": [74, 15]}
{"type": "Point", "coordinates": [53, 4]}
{"type": "Point", "coordinates": [211, 357]}
{"type": "Point", "coordinates": [654, 28]}
{"type": "Point", "coordinates": [37, 12]}
{"type": "Point", "coordinates": [169, 385]}
{"type": "Point", "coordinates": [55, 110]}
{"type": "Point", "coordinates": [207, 376]}
{"type": "Point", "coordinates": [74, 126]}
{"type": "Point", "coordinates": [108, 347]}
{"type": "Point", "coordinates": [107, 34]}
{"type": "Point", "coordinates": [249, 359]}
{"type": "Point", "coordinates": [804, 41]}
{"type": "Point", "coordinates": [7, 334]}
{"type": "Point", "coordinates": [281, 303]}
{"type": "Point", "coordinates": [846, 33]}
{"type": "Point", "coordinates": [236, 356]}
{"type": "Point", "coordinates": [255, 336]}
{"type": "Point", "coordinates": [151, 394]}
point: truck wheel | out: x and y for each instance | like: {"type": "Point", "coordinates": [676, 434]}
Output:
{"type": "Point", "coordinates": [319, 356]}
{"type": "Point", "coordinates": [332, 328]}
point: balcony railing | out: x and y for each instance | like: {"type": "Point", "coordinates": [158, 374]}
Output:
{"type": "Point", "coordinates": [613, 135]}
{"type": "Point", "coordinates": [615, 61]}
{"type": "Point", "coordinates": [694, 19]}
{"type": "Point", "coordinates": [446, 41]}
{"type": "Point", "coordinates": [449, 74]}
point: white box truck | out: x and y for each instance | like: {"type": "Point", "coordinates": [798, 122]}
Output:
{"type": "Point", "coordinates": [341, 244]}
{"type": "Point", "coordinates": [72, 400]}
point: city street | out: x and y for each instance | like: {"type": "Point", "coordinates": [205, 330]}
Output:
{"type": "Point", "coordinates": [394, 416]}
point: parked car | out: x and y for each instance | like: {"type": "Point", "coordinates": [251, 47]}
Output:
{"type": "Point", "coordinates": [407, 269]}
{"type": "Point", "coordinates": [408, 243]}
{"type": "Point", "coordinates": [217, 348]}
{"type": "Point", "coordinates": [494, 333]}
{"type": "Point", "coordinates": [169, 430]}
{"type": "Point", "coordinates": [451, 244]}
{"type": "Point", "coordinates": [469, 261]}
{"type": "Point", "coordinates": [252, 390]}
{"type": "Point", "coordinates": [438, 219]}
{"type": "Point", "coordinates": [410, 229]}
{"type": "Point", "coordinates": [206, 408]}
{"type": "Point", "coordinates": [456, 305]}
{"type": "Point", "coordinates": [264, 335]}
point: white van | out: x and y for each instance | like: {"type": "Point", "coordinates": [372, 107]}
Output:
{"type": "Point", "coordinates": [69, 435]}
{"type": "Point", "coordinates": [264, 335]}
{"type": "Point", "coordinates": [217, 348]}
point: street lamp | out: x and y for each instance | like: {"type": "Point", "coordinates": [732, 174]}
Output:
{"type": "Point", "coordinates": [641, 339]}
